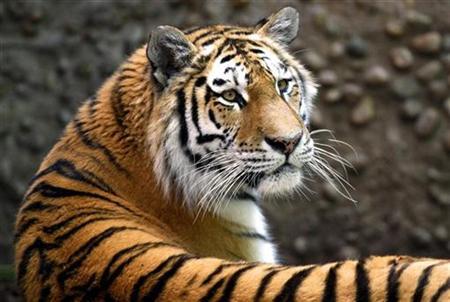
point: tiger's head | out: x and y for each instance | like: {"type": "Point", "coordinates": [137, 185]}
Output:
{"type": "Point", "coordinates": [232, 111]}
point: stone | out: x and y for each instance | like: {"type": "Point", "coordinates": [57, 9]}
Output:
{"type": "Point", "coordinates": [314, 61]}
{"type": "Point", "coordinates": [301, 245]}
{"type": "Point", "coordinates": [364, 112]}
{"type": "Point", "coordinates": [357, 47]}
{"type": "Point", "coordinates": [428, 43]}
{"type": "Point", "coordinates": [446, 61]}
{"type": "Point", "coordinates": [438, 90]}
{"type": "Point", "coordinates": [395, 28]}
{"type": "Point", "coordinates": [418, 20]}
{"type": "Point", "coordinates": [376, 75]}
{"type": "Point", "coordinates": [447, 106]}
{"type": "Point", "coordinates": [421, 236]}
{"type": "Point", "coordinates": [352, 92]}
{"type": "Point", "coordinates": [336, 50]}
{"type": "Point", "coordinates": [429, 71]}
{"type": "Point", "coordinates": [405, 87]}
{"type": "Point", "coordinates": [439, 195]}
{"type": "Point", "coordinates": [240, 4]}
{"type": "Point", "coordinates": [349, 252]}
{"type": "Point", "coordinates": [441, 233]}
{"type": "Point", "coordinates": [317, 120]}
{"type": "Point", "coordinates": [331, 27]}
{"type": "Point", "coordinates": [401, 57]}
{"type": "Point", "coordinates": [427, 123]}
{"type": "Point", "coordinates": [411, 109]}
{"type": "Point", "coordinates": [446, 43]}
{"type": "Point", "coordinates": [328, 78]}
{"type": "Point", "coordinates": [446, 142]}
{"type": "Point", "coordinates": [332, 96]}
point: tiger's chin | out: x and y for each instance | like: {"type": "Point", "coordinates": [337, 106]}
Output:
{"type": "Point", "coordinates": [280, 183]}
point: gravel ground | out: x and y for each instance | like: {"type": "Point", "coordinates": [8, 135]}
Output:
{"type": "Point", "coordinates": [384, 69]}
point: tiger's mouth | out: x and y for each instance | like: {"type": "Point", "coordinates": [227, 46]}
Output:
{"type": "Point", "coordinates": [254, 180]}
{"type": "Point", "coordinates": [283, 169]}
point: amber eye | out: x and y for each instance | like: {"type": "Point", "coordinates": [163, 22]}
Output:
{"type": "Point", "coordinates": [229, 95]}
{"type": "Point", "coordinates": [282, 85]}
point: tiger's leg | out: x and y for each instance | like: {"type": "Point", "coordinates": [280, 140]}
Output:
{"type": "Point", "coordinates": [88, 256]}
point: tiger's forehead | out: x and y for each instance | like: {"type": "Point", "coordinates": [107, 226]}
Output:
{"type": "Point", "coordinates": [237, 66]}
{"type": "Point", "coordinates": [238, 56]}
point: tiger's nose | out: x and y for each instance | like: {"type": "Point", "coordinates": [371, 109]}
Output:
{"type": "Point", "coordinates": [284, 145]}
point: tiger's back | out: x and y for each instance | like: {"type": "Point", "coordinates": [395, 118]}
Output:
{"type": "Point", "coordinates": [110, 213]}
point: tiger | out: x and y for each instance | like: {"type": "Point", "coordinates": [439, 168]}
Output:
{"type": "Point", "coordinates": [154, 190]}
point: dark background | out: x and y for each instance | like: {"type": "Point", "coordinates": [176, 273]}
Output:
{"type": "Point", "coordinates": [384, 69]}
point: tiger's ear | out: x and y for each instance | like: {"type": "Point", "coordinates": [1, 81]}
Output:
{"type": "Point", "coordinates": [169, 51]}
{"type": "Point", "coordinates": [281, 27]}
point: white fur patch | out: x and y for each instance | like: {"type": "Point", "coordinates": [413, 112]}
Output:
{"type": "Point", "coordinates": [247, 214]}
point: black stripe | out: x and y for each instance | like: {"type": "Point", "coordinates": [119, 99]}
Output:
{"type": "Point", "coordinates": [44, 294]}
{"type": "Point", "coordinates": [392, 284]}
{"type": "Point", "coordinates": [219, 82]}
{"type": "Point", "coordinates": [256, 50]}
{"type": "Point", "coordinates": [95, 145]}
{"type": "Point", "coordinates": [264, 283]}
{"type": "Point", "coordinates": [241, 32]}
{"type": "Point", "coordinates": [362, 283]}
{"type": "Point", "coordinates": [217, 271]}
{"type": "Point", "coordinates": [210, 41]}
{"type": "Point", "coordinates": [441, 290]}
{"type": "Point", "coordinates": [251, 235]}
{"type": "Point", "coordinates": [227, 58]}
{"type": "Point", "coordinates": [37, 245]}
{"type": "Point", "coordinates": [51, 191]}
{"type": "Point", "coordinates": [158, 288]}
{"type": "Point", "coordinates": [291, 286]}
{"type": "Point", "coordinates": [212, 118]}
{"type": "Point", "coordinates": [200, 81]}
{"type": "Point", "coordinates": [253, 43]}
{"type": "Point", "coordinates": [67, 169]}
{"type": "Point", "coordinates": [37, 206]}
{"type": "Point", "coordinates": [232, 282]}
{"type": "Point", "coordinates": [65, 236]}
{"type": "Point", "coordinates": [212, 291]}
{"type": "Point", "coordinates": [107, 277]}
{"type": "Point", "coordinates": [184, 134]}
{"type": "Point", "coordinates": [201, 36]}
{"type": "Point", "coordinates": [194, 111]}
{"type": "Point", "coordinates": [141, 250]}
{"type": "Point", "coordinates": [208, 94]}
{"type": "Point", "coordinates": [142, 279]}
{"type": "Point", "coordinates": [62, 224]}
{"type": "Point", "coordinates": [206, 138]}
{"type": "Point", "coordinates": [329, 293]}
{"type": "Point", "coordinates": [213, 32]}
{"type": "Point", "coordinates": [221, 47]}
{"type": "Point", "coordinates": [85, 250]}
{"type": "Point", "coordinates": [23, 227]}
{"type": "Point", "coordinates": [245, 196]}
{"type": "Point", "coordinates": [422, 283]}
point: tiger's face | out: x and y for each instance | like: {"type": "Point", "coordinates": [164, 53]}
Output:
{"type": "Point", "coordinates": [241, 122]}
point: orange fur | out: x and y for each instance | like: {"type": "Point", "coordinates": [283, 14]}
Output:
{"type": "Point", "coordinates": [98, 224]}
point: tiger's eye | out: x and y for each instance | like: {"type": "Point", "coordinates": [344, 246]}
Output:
{"type": "Point", "coordinates": [229, 95]}
{"type": "Point", "coordinates": [282, 85]}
